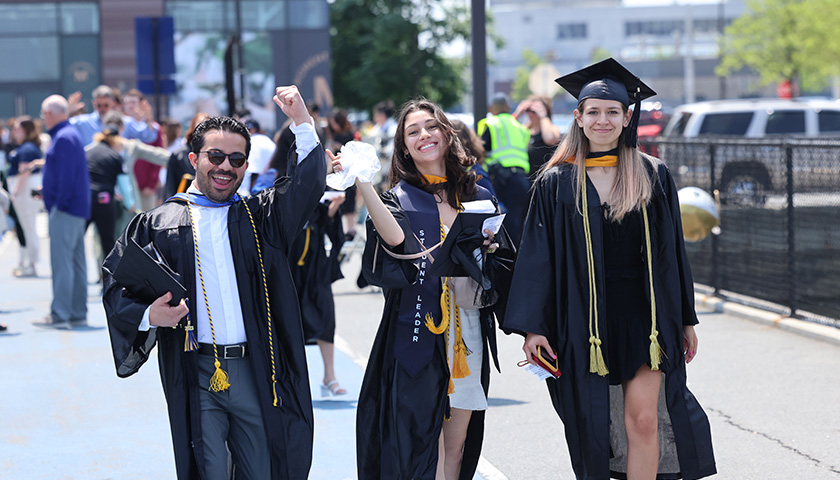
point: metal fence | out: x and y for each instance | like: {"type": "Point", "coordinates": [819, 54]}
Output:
{"type": "Point", "coordinates": [779, 239]}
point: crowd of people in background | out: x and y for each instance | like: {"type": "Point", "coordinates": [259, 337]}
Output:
{"type": "Point", "coordinates": [135, 161]}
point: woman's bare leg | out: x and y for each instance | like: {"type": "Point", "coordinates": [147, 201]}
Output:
{"type": "Point", "coordinates": [452, 444]}
{"type": "Point", "coordinates": [641, 397]}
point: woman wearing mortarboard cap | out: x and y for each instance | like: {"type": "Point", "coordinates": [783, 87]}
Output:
{"type": "Point", "coordinates": [602, 282]}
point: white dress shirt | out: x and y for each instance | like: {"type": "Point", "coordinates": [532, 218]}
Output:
{"type": "Point", "coordinates": [210, 225]}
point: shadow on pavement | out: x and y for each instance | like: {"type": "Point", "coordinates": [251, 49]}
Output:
{"type": "Point", "coordinates": [334, 404]}
{"type": "Point", "coordinates": [503, 402]}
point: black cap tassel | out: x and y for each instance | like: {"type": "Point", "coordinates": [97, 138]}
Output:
{"type": "Point", "coordinates": [631, 140]}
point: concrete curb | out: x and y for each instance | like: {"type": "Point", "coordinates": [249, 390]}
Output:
{"type": "Point", "coordinates": [771, 319]}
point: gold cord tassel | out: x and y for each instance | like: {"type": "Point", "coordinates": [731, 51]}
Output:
{"type": "Point", "coordinates": [219, 380]}
{"type": "Point", "coordinates": [302, 258]}
{"type": "Point", "coordinates": [436, 329]}
{"type": "Point", "coordinates": [460, 368]}
{"type": "Point", "coordinates": [596, 356]}
{"type": "Point", "coordinates": [276, 400]}
{"type": "Point", "coordinates": [655, 349]}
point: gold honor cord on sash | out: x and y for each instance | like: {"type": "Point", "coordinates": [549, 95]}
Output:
{"type": "Point", "coordinates": [219, 380]}
{"type": "Point", "coordinates": [596, 356]}
{"type": "Point", "coordinates": [460, 368]}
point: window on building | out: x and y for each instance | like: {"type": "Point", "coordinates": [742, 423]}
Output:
{"type": "Point", "coordinates": [309, 13]}
{"type": "Point", "coordinates": [79, 18]}
{"type": "Point", "coordinates": [570, 31]}
{"type": "Point", "coordinates": [261, 15]}
{"type": "Point", "coordinates": [28, 18]}
{"type": "Point", "coordinates": [35, 59]}
{"type": "Point", "coordinates": [202, 15]}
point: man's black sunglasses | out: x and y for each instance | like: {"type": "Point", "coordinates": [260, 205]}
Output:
{"type": "Point", "coordinates": [237, 159]}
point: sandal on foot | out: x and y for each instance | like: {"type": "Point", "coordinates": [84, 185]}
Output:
{"type": "Point", "coordinates": [332, 389]}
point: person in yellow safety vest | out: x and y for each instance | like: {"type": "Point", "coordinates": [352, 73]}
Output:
{"type": "Point", "coordinates": [506, 142]}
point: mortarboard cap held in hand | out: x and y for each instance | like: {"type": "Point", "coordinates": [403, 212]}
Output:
{"type": "Point", "coordinates": [145, 275]}
{"type": "Point", "coordinates": [609, 80]}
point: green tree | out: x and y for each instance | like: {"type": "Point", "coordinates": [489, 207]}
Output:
{"type": "Point", "coordinates": [784, 40]}
{"type": "Point", "coordinates": [520, 89]}
{"type": "Point", "coordinates": [391, 49]}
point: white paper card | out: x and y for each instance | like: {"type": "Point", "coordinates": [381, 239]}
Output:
{"type": "Point", "coordinates": [538, 371]}
{"type": "Point", "coordinates": [479, 206]}
{"type": "Point", "coordinates": [493, 224]}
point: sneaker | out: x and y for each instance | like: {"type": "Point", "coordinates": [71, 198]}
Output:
{"type": "Point", "coordinates": [78, 322]}
{"type": "Point", "coordinates": [24, 272]}
{"type": "Point", "coordinates": [52, 322]}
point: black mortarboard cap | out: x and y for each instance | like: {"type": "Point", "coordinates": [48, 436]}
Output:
{"type": "Point", "coordinates": [609, 80]}
{"type": "Point", "coordinates": [145, 275]}
{"type": "Point", "coordinates": [455, 257]}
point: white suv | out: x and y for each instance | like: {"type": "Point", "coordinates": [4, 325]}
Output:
{"type": "Point", "coordinates": [756, 118]}
{"type": "Point", "coordinates": [748, 173]}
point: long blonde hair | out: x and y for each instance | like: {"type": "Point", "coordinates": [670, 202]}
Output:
{"type": "Point", "coordinates": [632, 183]}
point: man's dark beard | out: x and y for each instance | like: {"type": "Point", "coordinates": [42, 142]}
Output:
{"type": "Point", "coordinates": [204, 185]}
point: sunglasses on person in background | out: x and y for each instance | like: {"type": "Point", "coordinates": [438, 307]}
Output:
{"type": "Point", "coordinates": [237, 159]}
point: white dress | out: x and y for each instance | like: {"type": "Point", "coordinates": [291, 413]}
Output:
{"type": "Point", "coordinates": [469, 394]}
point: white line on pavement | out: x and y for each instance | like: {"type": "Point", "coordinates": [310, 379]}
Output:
{"type": "Point", "coordinates": [485, 468]}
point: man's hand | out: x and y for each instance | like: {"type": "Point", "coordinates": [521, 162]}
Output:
{"type": "Point", "coordinates": [334, 205]}
{"type": "Point", "coordinates": [75, 102]}
{"type": "Point", "coordinates": [161, 314]}
{"type": "Point", "coordinates": [291, 103]}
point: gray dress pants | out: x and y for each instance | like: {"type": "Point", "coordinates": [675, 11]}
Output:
{"type": "Point", "coordinates": [232, 420]}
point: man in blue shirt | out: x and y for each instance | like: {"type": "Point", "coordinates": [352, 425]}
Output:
{"type": "Point", "coordinates": [137, 123]}
{"type": "Point", "coordinates": [66, 193]}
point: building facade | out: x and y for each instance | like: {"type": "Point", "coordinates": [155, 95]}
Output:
{"type": "Point", "coordinates": [673, 47]}
{"type": "Point", "coordinates": [68, 46]}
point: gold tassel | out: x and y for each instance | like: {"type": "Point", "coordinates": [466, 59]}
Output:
{"type": "Point", "coordinates": [436, 329]}
{"type": "Point", "coordinates": [460, 368]}
{"type": "Point", "coordinates": [451, 386]}
{"type": "Point", "coordinates": [277, 398]}
{"type": "Point", "coordinates": [219, 380]}
{"type": "Point", "coordinates": [301, 261]}
{"type": "Point", "coordinates": [655, 351]}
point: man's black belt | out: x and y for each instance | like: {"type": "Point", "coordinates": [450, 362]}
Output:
{"type": "Point", "coordinates": [238, 350]}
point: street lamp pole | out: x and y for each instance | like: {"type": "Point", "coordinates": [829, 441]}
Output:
{"type": "Point", "coordinates": [479, 60]}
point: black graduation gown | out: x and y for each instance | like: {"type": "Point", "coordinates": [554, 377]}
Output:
{"type": "Point", "coordinates": [549, 296]}
{"type": "Point", "coordinates": [400, 416]}
{"type": "Point", "coordinates": [279, 214]}
{"type": "Point", "coordinates": [314, 271]}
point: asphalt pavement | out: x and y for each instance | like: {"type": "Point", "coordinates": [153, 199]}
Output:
{"type": "Point", "coordinates": [769, 386]}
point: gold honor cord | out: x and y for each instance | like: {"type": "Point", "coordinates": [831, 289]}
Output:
{"type": "Point", "coordinates": [277, 399]}
{"type": "Point", "coordinates": [219, 380]}
{"type": "Point", "coordinates": [301, 261]}
{"type": "Point", "coordinates": [655, 350]}
{"type": "Point", "coordinates": [460, 368]}
{"type": "Point", "coordinates": [596, 357]}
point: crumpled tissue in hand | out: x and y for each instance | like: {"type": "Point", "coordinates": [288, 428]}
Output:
{"type": "Point", "coordinates": [358, 160]}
